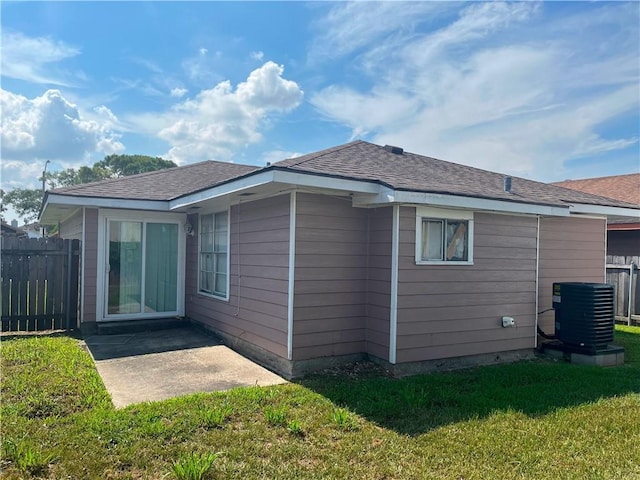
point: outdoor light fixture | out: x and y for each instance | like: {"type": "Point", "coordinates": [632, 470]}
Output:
{"type": "Point", "coordinates": [188, 229]}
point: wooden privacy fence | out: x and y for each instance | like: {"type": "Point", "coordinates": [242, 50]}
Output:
{"type": "Point", "coordinates": [39, 284]}
{"type": "Point", "coordinates": [622, 273]}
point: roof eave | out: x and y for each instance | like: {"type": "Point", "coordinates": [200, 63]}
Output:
{"type": "Point", "coordinates": [276, 175]}
{"type": "Point", "coordinates": [367, 193]}
{"type": "Point", "coordinates": [391, 196]}
{"type": "Point", "coordinates": [604, 210]}
{"type": "Point", "coordinates": [49, 216]}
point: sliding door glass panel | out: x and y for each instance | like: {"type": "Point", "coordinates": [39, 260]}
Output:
{"type": "Point", "coordinates": [161, 268]}
{"type": "Point", "coordinates": [125, 267]}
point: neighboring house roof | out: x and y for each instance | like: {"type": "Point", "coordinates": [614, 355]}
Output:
{"type": "Point", "coordinates": [373, 174]}
{"type": "Point", "coordinates": [8, 229]}
{"type": "Point", "coordinates": [620, 187]}
{"type": "Point", "coordinates": [164, 184]}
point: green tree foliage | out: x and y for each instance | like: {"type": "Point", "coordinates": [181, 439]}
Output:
{"type": "Point", "coordinates": [124, 165]}
{"type": "Point", "coordinates": [27, 201]}
{"type": "Point", "coordinates": [112, 166]}
{"type": "Point", "coordinates": [3, 207]}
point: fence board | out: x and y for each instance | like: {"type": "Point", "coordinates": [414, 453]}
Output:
{"type": "Point", "coordinates": [621, 276]}
{"type": "Point", "coordinates": [40, 279]}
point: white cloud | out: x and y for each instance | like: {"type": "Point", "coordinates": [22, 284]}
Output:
{"type": "Point", "coordinates": [148, 64]}
{"type": "Point", "coordinates": [257, 55]}
{"type": "Point", "coordinates": [50, 127]}
{"type": "Point", "coordinates": [178, 92]}
{"type": "Point", "coordinates": [352, 26]}
{"type": "Point", "coordinates": [480, 92]}
{"type": "Point", "coordinates": [201, 67]}
{"type": "Point", "coordinates": [31, 58]}
{"type": "Point", "coordinates": [218, 121]}
{"type": "Point", "coordinates": [277, 155]}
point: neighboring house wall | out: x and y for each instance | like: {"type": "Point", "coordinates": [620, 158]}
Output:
{"type": "Point", "coordinates": [379, 282]}
{"type": "Point", "coordinates": [571, 250]}
{"type": "Point", "coordinates": [256, 311]}
{"type": "Point", "coordinates": [72, 227]}
{"type": "Point", "coordinates": [90, 265]}
{"type": "Point", "coordinates": [330, 277]}
{"type": "Point", "coordinates": [623, 243]}
{"type": "Point", "coordinates": [455, 310]}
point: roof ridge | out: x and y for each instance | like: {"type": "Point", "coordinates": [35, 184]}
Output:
{"type": "Point", "coordinates": [72, 188]}
{"type": "Point", "coordinates": [321, 153]}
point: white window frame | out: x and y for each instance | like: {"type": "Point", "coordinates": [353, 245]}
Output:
{"type": "Point", "coordinates": [200, 291]}
{"type": "Point", "coordinates": [430, 213]}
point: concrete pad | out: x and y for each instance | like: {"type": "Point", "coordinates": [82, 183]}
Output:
{"type": "Point", "coordinates": [157, 365]}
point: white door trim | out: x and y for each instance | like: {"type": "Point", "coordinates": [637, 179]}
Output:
{"type": "Point", "coordinates": [106, 215]}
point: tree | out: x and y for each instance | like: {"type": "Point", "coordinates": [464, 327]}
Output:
{"type": "Point", "coordinates": [112, 166]}
{"type": "Point", "coordinates": [27, 202]}
{"type": "Point", "coordinates": [3, 207]}
{"type": "Point", "coordinates": [124, 165]}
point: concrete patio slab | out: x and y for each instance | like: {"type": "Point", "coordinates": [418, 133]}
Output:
{"type": "Point", "coordinates": [156, 365]}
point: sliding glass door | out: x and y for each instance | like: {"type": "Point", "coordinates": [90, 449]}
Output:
{"type": "Point", "coordinates": [142, 268]}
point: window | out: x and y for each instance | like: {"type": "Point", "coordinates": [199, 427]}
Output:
{"type": "Point", "coordinates": [443, 236]}
{"type": "Point", "coordinates": [214, 256]}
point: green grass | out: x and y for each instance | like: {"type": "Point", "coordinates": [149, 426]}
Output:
{"type": "Point", "coordinates": [539, 419]}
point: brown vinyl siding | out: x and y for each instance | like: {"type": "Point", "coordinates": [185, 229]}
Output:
{"type": "Point", "coordinates": [330, 277]}
{"type": "Point", "coordinates": [256, 311]}
{"type": "Point", "coordinates": [90, 249]}
{"type": "Point", "coordinates": [71, 228]}
{"type": "Point", "coordinates": [455, 310]}
{"type": "Point", "coordinates": [379, 282]}
{"type": "Point", "coordinates": [571, 250]}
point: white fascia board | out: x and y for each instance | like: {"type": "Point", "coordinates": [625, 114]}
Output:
{"type": "Point", "coordinates": [322, 181]}
{"type": "Point", "coordinates": [298, 179]}
{"type": "Point", "coordinates": [155, 205]}
{"type": "Point", "coordinates": [605, 210]}
{"type": "Point", "coordinates": [224, 189]}
{"type": "Point", "coordinates": [453, 201]}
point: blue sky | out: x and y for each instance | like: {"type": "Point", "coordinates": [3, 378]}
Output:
{"type": "Point", "coordinates": [547, 91]}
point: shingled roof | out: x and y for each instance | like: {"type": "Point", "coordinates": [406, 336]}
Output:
{"type": "Point", "coordinates": [408, 171]}
{"type": "Point", "coordinates": [620, 187]}
{"type": "Point", "coordinates": [357, 160]}
{"type": "Point", "coordinates": [161, 184]}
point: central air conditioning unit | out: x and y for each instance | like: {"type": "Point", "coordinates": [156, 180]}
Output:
{"type": "Point", "coordinates": [584, 314]}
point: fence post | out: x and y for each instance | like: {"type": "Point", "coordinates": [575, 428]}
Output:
{"type": "Point", "coordinates": [67, 303]}
{"type": "Point", "coordinates": [632, 291]}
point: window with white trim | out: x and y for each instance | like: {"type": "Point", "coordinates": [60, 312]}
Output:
{"type": "Point", "coordinates": [444, 236]}
{"type": "Point", "coordinates": [214, 254]}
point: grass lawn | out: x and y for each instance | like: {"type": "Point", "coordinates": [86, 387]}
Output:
{"type": "Point", "coordinates": [539, 420]}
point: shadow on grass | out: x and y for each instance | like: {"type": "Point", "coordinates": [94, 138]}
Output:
{"type": "Point", "coordinates": [415, 405]}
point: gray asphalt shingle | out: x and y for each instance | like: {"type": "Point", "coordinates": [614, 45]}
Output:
{"type": "Point", "coordinates": [409, 171]}
{"type": "Point", "coordinates": [161, 184]}
{"type": "Point", "coordinates": [357, 160]}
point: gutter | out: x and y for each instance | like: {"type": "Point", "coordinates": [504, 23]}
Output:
{"type": "Point", "coordinates": [581, 208]}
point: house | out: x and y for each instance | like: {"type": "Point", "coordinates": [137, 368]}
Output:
{"type": "Point", "coordinates": [623, 235]}
{"type": "Point", "coordinates": [10, 229]}
{"type": "Point", "coordinates": [34, 230]}
{"type": "Point", "coordinates": [357, 251]}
